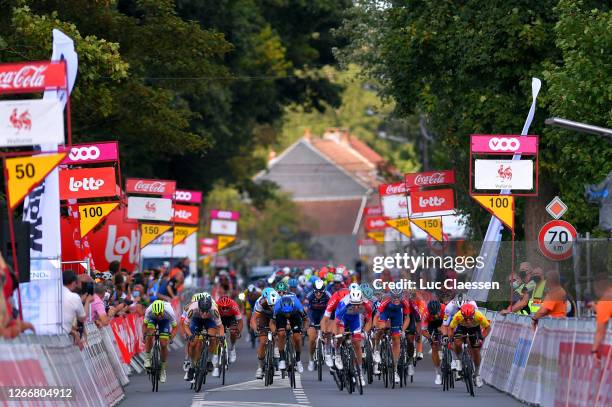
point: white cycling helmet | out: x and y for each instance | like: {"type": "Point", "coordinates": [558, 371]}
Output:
{"type": "Point", "coordinates": [286, 270]}
{"type": "Point", "coordinates": [302, 280]}
{"type": "Point", "coordinates": [319, 285]}
{"type": "Point", "coordinates": [272, 298]}
{"type": "Point", "coordinates": [356, 296]}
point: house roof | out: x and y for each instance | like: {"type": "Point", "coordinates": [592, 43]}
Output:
{"type": "Point", "coordinates": [330, 217]}
{"type": "Point", "coordinates": [365, 150]}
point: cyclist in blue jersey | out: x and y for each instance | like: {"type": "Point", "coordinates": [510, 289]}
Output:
{"type": "Point", "coordinates": [315, 305]}
{"type": "Point", "coordinates": [289, 309]}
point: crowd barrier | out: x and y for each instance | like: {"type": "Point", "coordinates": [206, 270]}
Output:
{"type": "Point", "coordinates": [549, 366]}
{"type": "Point", "coordinates": [97, 374]}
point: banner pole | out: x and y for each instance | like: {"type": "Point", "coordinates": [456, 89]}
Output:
{"type": "Point", "coordinates": [12, 234]}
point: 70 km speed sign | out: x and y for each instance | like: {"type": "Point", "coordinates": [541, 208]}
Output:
{"type": "Point", "coordinates": [556, 240]}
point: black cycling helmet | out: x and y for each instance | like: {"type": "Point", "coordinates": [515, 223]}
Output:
{"type": "Point", "coordinates": [434, 307]}
{"type": "Point", "coordinates": [205, 304]}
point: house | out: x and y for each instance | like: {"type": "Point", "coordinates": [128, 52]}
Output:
{"type": "Point", "coordinates": [331, 178]}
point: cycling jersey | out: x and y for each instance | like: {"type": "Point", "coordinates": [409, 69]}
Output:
{"type": "Point", "coordinates": [262, 307]}
{"type": "Point", "coordinates": [432, 324]}
{"type": "Point", "coordinates": [352, 316]}
{"type": "Point", "coordinates": [196, 320]}
{"type": "Point", "coordinates": [451, 309]}
{"type": "Point", "coordinates": [333, 302]}
{"type": "Point", "coordinates": [394, 313]}
{"type": "Point", "coordinates": [297, 305]}
{"type": "Point", "coordinates": [316, 306]}
{"type": "Point", "coordinates": [479, 321]}
{"type": "Point", "coordinates": [332, 288]}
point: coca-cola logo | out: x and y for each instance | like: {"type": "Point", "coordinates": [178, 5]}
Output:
{"type": "Point", "coordinates": [436, 178]}
{"type": "Point", "coordinates": [155, 187]}
{"type": "Point", "coordinates": [86, 184]}
{"type": "Point", "coordinates": [432, 201]}
{"type": "Point", "coordinates": [29, 76]}
{"type": "Point", "coordinates": [393, 189]}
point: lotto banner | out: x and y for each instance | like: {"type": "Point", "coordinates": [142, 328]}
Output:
{"type": "Point", "coordinates": [128, 333]}
{"type": "Point", "coordinates": [187, 214]}
{"type": "Point", "coordinates": [87, 183]}
{"type": "Point", "coordinates": [31, 122]}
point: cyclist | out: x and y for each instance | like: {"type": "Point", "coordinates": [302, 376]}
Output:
{"type": "Point", "coordinates": [449, 312]}
{"type": "Point", "coordinates": [413, 332]}
{"type": "Point", "coordinates": [337, 284]}
{"type": "Point", "coordinates": [187, 361]}
{"type": "Point", "coordinates": [201, 315]}
{"type": "Point", "coordinates": [432, 321]}
{"type": "Point", "coordinates": [231, 317]}
{"type": "Point", "coordinates": [294, 287]}
{"type": "Point", "coordinates": [289, 309]}
{"type": "Point", "coordinates": [393, 312]}
{"type": "Point", "coordinates": [282, 288]}
{"type": "Point", "coordinates": [315, 305]}
{"type": "Point", "coordinates": [355, 314]}
{"type": "Point", "coordinates": [330, 315]}
{"type": "Point", "coordinates": [251, 295]}
{"type": "Point", "coordinates": [260, 323]}
{"type": "Point", "coordinates": [469, 321]}
{"type": "Point", "coordinates": [159, 316]}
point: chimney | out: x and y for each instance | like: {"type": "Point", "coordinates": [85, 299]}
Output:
{"type": "Point", "coordinates": [344, 136]}
{"type": "Point", "coordinates": [307, 134]}
{"type": "Point", "coordinates": [271, 155]}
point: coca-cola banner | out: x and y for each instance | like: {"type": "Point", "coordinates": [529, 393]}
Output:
{"type": "Point", "coordinates": [392, 189]}
{"type": "Point", "coordinates": [87, 183]}
{"type": "Point", "coordinates": [371, 223]}
{"type": "Point", "coordinates": [208, 246]}
{"type": "Point", "coordinates": [227, 215]}
{"type": "Point", "coordinates": [187, 214]}
{"type": "Point", "coordinates": [436, 200]}
{"type": "Point", "coordinates": [149, 208]}
{"type": "Point", "coordinates": [183, 195]}
{"type": "Point", "coordinates": [114, 240]}
{"type": "Point", "coordinates": [30, 122]}
{"type": "Point", "coordinates": [149, 186]}
{"type": "Point", "coordinates": [504, 144]}
{"type": "Point", "coordinates": [395, 206]}
{"type": "Point", "coordinates": [32, 76]}
{"type": "Point", "coordinates": [91, 153]}
{"type": "Point", "coordinates": [430, 179]}
{"type": "Point", "coordinates": [372, 210]}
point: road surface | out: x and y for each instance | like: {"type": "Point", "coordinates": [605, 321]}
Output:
{"type": "Point", "coordinates": [243, 390]}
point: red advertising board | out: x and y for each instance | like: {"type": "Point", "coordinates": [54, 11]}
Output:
{"type": "Point", "coordinates": [91, 153]}
{"type": "Point", "coordinates": [149, 186]}
{"type": "Point", "coordinates": [430, 178]}
{"type": "Point", "coordinates": [188, 214]}
{"type": "Point", "coordinates": [371, 223]}
{"type": "Point", "coordinates": [87, 183]}
{"type": "Point", "coordinates": [372, 210]}
{"type": "Point", "coordinates": [32, 76]}
{"type": "Point", "coordinates": [114, 240]}
{"type": "Point", "coordinates": [394, 188]}
{"type": "Point", "coordinates": [435, 200]}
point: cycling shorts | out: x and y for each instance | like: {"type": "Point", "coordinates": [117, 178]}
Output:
{"type": "Point", "coordinates": [434, 326]}
{"type": "Point", "coordinates": [229, 321]}
{"type": "Point", "coordinates": [163, 327]}
{"type": "Point", "coordinates": [351, 323]}
{"type": "Point", "coordinates": [396, 319]}
{"type": "Point", "coordinates": [411, 329]}
{"type": "Point", "coordinates": [197, 325]}
{"type": "Point", "coordinates": [263, 324]}
{"type": "Point", "coordinates": [474, 332]}
{"type": "Point", "coordinates": [315, 316]}
{"type": "Point", "coordinates": [295, 319]}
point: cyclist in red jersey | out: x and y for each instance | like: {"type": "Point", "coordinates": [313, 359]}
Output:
{"type": "Point", "coordinates": [231, 317]}
{"type": "Point", "coordinates": [327, 326]}
{"type": "Point", "coordinates": [432, 321]}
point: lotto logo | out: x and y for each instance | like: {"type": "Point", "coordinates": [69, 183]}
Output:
{"type": "Point", "coordinates": [84, 153]}
{"type": "Point", "coordinates": [504, 144]}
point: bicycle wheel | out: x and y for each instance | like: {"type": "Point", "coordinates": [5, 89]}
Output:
{"type": "Point", "coordinates": [155, 367]}
{"type": "Point", "coordinates": [224, 362]}
{"type": "Point", "coordinates": [202, 369]}
{"type": "Point", "coordinates": [348, 369]}
{"type": "Point", "coordinates": [369, 362]}
{"type": "Point", "coordinates": [319, 360]}
{"type": "Point", "coordinates": [269, 363]}
{"type": "Point", "coordinates": [468, 372]}
{"type": "Point", "coordinates": [356, 370]}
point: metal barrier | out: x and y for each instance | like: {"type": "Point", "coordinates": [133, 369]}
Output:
{"type": "Point", "coordinates": [550, 365]}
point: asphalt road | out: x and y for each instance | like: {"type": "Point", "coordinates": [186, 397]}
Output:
{"type": "Point", "coordinates": [243, 390]}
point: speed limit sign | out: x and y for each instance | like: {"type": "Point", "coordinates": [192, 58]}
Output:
{"type": "Point", "coordinates": [556, 240]}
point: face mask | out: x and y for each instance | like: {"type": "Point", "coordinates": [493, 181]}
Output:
{"type": "Point", "coordinates": [515, 284]}
{"type": "Point", "coordinates": [135, 294]}
{"type": "Point", "coordinates": [537, 279]}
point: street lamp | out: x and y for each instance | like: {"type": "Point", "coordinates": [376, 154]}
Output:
{"type": "Point", "coordinates": [579, 127]}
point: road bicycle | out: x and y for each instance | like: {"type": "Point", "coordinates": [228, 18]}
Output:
{"type": "Point", "coordinates": [448, 376]}
{"type": "Point", "coordinates": [403, 362]}
{"type": "Point", "coordinates": [201, 369]}
{"type": "Point", "coordinates": [368, 358]}
{"type": "Point", "coordinates": [386, 368]}
{"type": "Point", "coordinates": [155, 369]}
{"type": "Point", "coordinates": [269, 360]}
{"type": "Point", "coordinates": [319, 352]}
{"type": "Point", "coordinates": [467, 364]}
{"type": "Point", "coordinates": [223, 357]}
{"type": "Point", "coordinates": [351, 369]}
{"type": "Point", "coordinates": [289, 358]}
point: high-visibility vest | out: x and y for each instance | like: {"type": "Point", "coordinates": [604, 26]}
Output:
{"type": "Point", "coordinates": [519, 291]}
{"type": "Point", "coordinates": [535, 302]}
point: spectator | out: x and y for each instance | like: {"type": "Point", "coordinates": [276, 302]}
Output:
{"type": "Point", "coordinates": [603, 289]}
{"type": "Point", "coordinates": [169, 286]}
{"type": "Point", "coordinates": [520, 292]}
{"type": "Point", "coordinates": [72, 307]}
{"type": "Point", "coordinates": [554, 304]}
{"type": "Point", "coordinates": [98, 313]}
{"type": "Point", "coordinates": [114, 267]}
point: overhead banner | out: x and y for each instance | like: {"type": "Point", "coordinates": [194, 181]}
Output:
{"type": "Point", "coordinates": [32, 76]}
{"type": "Point", "coordinates": [91, 153]}
{"type": "Point", "coordinates": [151, 231]}
{"type": "Point", "coordinates": [30, 122]}
{"type": "Point", "coordinates": [394, 188]}
{"type": "Point", "coordinates": [429, 179]}
{"type": "Point", "coordinates": [395, 206]}
{"type": "Point", "coordinates": [504, 144]}
{"type": "Point", "coordinates": [144, 208]}
{"type": "Point", "coordinates": [436, 200]}
{"type": "Point", "coordinates": [401, 225]}
{"type": "Point", "coordinates": [188, 214]}
{"type": "Point", "coordinates": [24, 173]}
{"type": "Point", "coordinates": [181, 233]}
{"type": "Point", "coordinates": [500, 206]}
{"type": "Point", "coordinates": [150, 186]}
{"type": "Point", "coordinates": [92, 214]}
{"type": "Point", "coordinates": [223, 227]}
{"type": "Point", "coordinates": [183, 195]}
{"type": "Point", "coordinates": [432, 226]}
{"type": "Point", "coordinates": [503, 174]}
{"type": "Point", "coordinates": [87, 183]}
{"type": "Point", "coordinates": [224, 241]}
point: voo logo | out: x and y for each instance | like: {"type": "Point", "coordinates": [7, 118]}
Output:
{"type": "Point", "coordinates": [84, 153]}
{"type": "Point", "coordinates": [182, 196]}
{"type": "Point", "coordinates": [504, 144]}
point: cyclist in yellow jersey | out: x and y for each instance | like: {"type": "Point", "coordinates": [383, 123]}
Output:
{"type": "Point", "coordinates": [469, 321]}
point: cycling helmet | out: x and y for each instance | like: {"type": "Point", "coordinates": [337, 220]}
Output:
{"type": "Point", "coordinates": [331, 269]}
{"type": "Point", "coordinates": [329, 277]}
{"type": "Point", "coordinates": [319, 286]}
{"type": "Point", "coordinates": [367, 292]}
{"type": "Point", "coordinates": [459, 300]}
{"type": "Point", "coordinates": [323, 273]}
{"type": "Point", "coordinates": [293, 283]}
{"type": "Point", "coordinates": [272, 297]}
{"type": "Point", "coordinates": [107, 275]}
{"type": "Point", "coordinates": [340, 269]}
{"type": "Point", "coordinates": [281, 287]}
{"type": "Point", "coordinates": [158, 307]}
{"type": "Point", "coordinates": [356, 296]}
{"type": "Point", "coordinates": [307, 272]}
{"type": "Point", "coordinates": [286, 304]}
{"type": "Point", "coordinates": [286, 270]}
{"type": "Point", "coordinates": [205, 304]}
{"type": "Point", "coordinates": [396, 294]}
{"type": "Point", "coordinates": [468, 310]}
{"type": "Point", "coordinates": [302, 280]}
{"type": "Point", "coordinates": [224, 302]}
{"type": "Point", "coordinates": [354, 286]}
{"type": "Point", "coordinates": [434, 307]}
{"type": "Point", "coordinates": [266, 292]}
{"type": "Point", "coordinates": [196, 297]}
{"type": "Point", "coordinates": [338, 279]}
{"type": "Point", "coordinates": [251, 288]}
